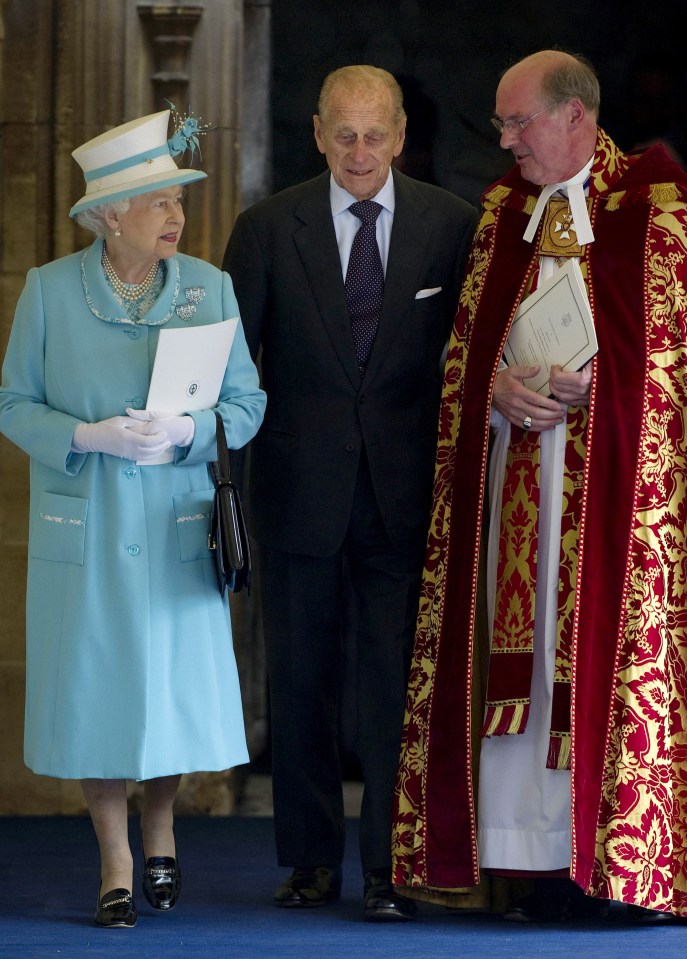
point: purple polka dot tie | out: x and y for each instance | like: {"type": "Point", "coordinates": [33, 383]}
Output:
{"type": "Point", "coordinates": [364, 280]}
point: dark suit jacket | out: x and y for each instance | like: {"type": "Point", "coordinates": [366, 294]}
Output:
{"type": "Point", "coordinates": [284, 261]}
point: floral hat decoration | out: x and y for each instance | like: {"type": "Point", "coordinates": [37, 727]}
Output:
{"type": "Point", "coordinates": [137, 157]}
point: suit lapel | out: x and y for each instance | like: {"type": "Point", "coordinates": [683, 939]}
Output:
{"type": "Point", "coordinates": [316, 242]}
{"type": "Point", "coordinates": [408, 246]}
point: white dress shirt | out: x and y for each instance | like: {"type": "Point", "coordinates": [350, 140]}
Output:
{"type": "Point", "coordinates": [346, 224]}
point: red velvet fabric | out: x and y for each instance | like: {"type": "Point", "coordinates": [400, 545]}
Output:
{"type": "Point", "coordinates": [450, 841]}
{"type": "Point", "coordinates": [436, 825]}
{"type": "Point", "coordinates": [612, 463]}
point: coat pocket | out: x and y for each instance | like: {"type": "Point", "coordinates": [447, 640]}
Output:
{"type": "Point", "coordinates": [58, 533]}
{"type": "Point", "coordinates": [192, 514]}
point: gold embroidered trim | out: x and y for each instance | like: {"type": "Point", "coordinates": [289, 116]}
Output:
{"type": "Point", "coordinates": [498, 194]}
{"type": "Point", "coordinates": [530, 204]}
{"type": "Point", "coordinates": [515, 713]}
{"type": "Point", "coordinates": [614, 200]}
{"type": "Point", "coordinates": [664, 192]}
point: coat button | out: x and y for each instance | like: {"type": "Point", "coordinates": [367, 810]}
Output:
{"type": "Point", "coordinates": [130, 472]}
{"type": "Point", "coordinates": [133, 550]}
{"type": "Point", "coordinates": [349, 447]}
{"type": "Point", "coordinates": [133, 334]}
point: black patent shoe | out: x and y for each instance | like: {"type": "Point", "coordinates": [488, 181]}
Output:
{"type": "Point", "coordinates": [161, 882]}
{"type": "Point", "coordinates": [309, 887]}
{"type": "Point", "coordinates": [116, 910]}
{"type": "Point", "coordinates": [381, 901]}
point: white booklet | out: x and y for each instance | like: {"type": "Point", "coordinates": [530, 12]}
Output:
{"type": "Point", "coordinates": [189, 367]}
{"type": "Point", "coordinates": [553, 326]}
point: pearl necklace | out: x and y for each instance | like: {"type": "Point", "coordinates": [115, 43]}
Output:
{"type": "Point", "coordinates": [128, 291]}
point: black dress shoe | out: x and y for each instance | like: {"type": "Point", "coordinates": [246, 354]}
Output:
{"type": "Point", "coordinates": [310, 887]}
{"type": "Point", "coordinates": [532, 908]}
{"type": "Point", "coordinates": [556, 900]}
{"type": "Point", "coordinates": [116, 909]}
{"type": "Point", "coordinates": [161, 882]}
{"type": "Point", "coordinates": [641, 916]}
{"type": "Point", "coordinates": [382, 903]}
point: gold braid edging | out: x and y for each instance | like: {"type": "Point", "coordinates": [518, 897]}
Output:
{"type": "Point", "coordinates": [409, 829]}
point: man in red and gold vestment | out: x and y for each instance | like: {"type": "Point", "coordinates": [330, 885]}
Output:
{"type": "Point", "coordinates": [583, 752]}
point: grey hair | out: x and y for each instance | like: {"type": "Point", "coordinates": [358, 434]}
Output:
{"type": "Point", "coordinates": [573, 78]}
{"type": "Point", "coordinates": [95, 218]}
{"type": "Point", "coordinates": [362, 77]}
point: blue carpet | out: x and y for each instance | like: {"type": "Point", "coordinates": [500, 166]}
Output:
{"type": "Point", "coordinates": [49, 880]}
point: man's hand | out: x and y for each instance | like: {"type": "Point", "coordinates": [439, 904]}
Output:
{"type": "Point", "coordinates": [571, 388]}
{"type": "Point", "coordinates": [522, 406]}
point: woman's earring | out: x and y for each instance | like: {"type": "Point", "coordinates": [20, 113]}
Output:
{"type": "Point", "coordinates": [117, 232]}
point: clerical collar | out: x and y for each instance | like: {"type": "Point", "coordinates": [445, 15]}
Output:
{"type": "Point", "coordinates": [574, 188]}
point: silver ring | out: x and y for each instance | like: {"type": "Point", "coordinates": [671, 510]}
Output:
{"type": "Point", "coordinates": [527, 423]}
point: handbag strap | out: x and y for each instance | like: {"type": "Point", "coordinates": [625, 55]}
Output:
{"type": "Point", "coordinates": [220, 470]}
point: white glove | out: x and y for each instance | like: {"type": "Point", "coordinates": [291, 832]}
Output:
{"type": "Point", "coordinates": [180, 430]}
{"type": "Point", "coordinates": [116, 437]}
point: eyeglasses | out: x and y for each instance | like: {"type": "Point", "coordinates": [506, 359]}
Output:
{"type": "Point", "coordinates": [515, 126]}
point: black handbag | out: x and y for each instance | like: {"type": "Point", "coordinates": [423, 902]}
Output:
{"type": "Point", "coordinates": [228, 538]}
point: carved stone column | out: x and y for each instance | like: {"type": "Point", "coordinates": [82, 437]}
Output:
{"type": "Point", "coordinates": [169, 28]}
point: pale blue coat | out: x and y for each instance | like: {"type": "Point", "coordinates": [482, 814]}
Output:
{"type": "Point", "coordinates": [130, 666]}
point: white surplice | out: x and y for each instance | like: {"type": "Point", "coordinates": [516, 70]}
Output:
{"type": "Point", "coordinates": [523, 807]}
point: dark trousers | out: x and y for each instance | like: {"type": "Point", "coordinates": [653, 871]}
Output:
{"type": "Point", "coordinates": [303, 603]}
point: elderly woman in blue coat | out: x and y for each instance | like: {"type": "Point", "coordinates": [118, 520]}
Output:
{"type": "Point", "coordinates": [130, 667]}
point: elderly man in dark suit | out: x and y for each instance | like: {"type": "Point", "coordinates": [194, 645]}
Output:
{"type": "Point", "coordinates": [351, 302]}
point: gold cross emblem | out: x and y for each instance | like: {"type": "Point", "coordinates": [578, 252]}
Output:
{"type": "Point", "coordinates": [558, 236]}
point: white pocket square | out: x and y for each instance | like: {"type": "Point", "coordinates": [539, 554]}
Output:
{"type": "Point", "coordinates": [422, 294]}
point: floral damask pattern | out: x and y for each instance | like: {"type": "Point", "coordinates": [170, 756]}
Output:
{"type": "Point", "coordinates": [642, 827]}
{"type": "Point", "coordinates": [633, 851]}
